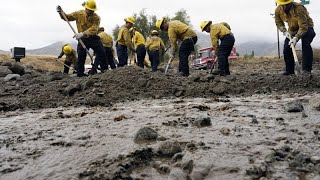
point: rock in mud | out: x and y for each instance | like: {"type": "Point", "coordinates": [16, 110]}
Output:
{"type": "Point", "coordinates": [315, 159]}
{"type": "Point", "coordinates": [71, 89]}
{"type": "Point", "coordinates": [294, 106]}
{"type": "Point", "coordinates": [145, 134]}
{"type": "Point", "coordinates": [53, 76]}
{"type": "Point", "coordinates": [315, 102]}
{"type": "Point", "coordinates": [225, 131]}
{"type": "Point", "coordinates": [17, 69]}
{"type": "Point", "coordinates": [177, 157]}
{"type": "Point", "coordinates": [187, 166]}
{"type": "Point", "coordinates": [178, 92]}
{"type": "Point", "coordinates": [257, 172]}
{"type": "Point", "coordinates": [4, 71]}
{"type": "Point", "coordinates": [11, 77]}
{"type": "Point", "coordinates": [164, 168]}
{"type": "Point", "coordinates": [169, 148]}
{"type": "Point", "coordinates": [202, 121]}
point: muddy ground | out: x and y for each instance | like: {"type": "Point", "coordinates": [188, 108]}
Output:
{"type": "Point", "coordinates": [130, 123]}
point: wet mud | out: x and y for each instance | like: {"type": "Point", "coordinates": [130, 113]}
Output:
{"type": "Point", "coordinates": [130, 123]}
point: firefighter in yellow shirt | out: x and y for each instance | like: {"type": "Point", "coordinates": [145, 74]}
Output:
{"type": "Point", "coordinates": [179, 31]}
{"type": "Point", "coordinates": [124, 42]}
{"type": "Point", "coordinates": [87, 23]}
{"type": "Point", "coordinates": [107, 43]}
{"type": "Point", "coordinates": [300, 26]}
{"type": "Point", "coordinates": [71, 57]}
{"type": "Point", "coordinates": [222, 32]}
{"type": "Point", "coordinates": [138, 42]}
{"type": "Point", "coordinates": [154, 45]}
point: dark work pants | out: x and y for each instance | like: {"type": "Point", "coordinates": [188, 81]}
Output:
{"type": "Point", "coordinates": [66, 69]}
{"type": "Point", "coordinates": [95, 44]}
{"type": "Point", "coordinates": [141, 54]}
{"type": "Point", "coordinates": [187, 46]}
{"type": "Point", "coordinates": [307, 53]}
{"type": "Point", "coordinates": [154, 59]}
{"type": "Point", "coordinates": [122, 52]}
{"type": "Point", "coordinates": [109, 55]}
{"type": "Point", "coordinates": [224, 52]}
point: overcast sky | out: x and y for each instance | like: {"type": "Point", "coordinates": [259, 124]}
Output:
{"type": "Point", "coordinates": [35, 23]}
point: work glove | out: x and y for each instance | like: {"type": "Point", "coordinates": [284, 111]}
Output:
{"type": "Point", "coordinates": [293, 41]}
{"type": "Point", "coordinates": [78, 35]}
{"type": "Point", "coordinates": [59, 9]}
{"type": "Point", "coordinates": [287, 34]}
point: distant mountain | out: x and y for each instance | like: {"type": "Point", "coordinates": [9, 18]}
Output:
{"type": "Point", "coordinates": [53, 49]}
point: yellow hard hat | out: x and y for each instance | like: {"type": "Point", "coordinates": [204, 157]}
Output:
{"type": "Point", "coordinates": [67, 49]}
{"type": "Point", "coordinates": [159, 22]}
{"type": "Point", "coordinates": [154, 32]}
{"type": "Point", "coordinates": [204, 24]}
{"type": "Point", "coordinates": [130, 20]}
{"type": "Point", "coordinates": [90, 4]}
{"type": "Point", "coordinates": [283, 2]}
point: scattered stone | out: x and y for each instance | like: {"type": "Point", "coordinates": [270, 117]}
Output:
{"type": "Point", "coordinates": [164, 168]}
{"type": "Point", "coordinates": [187, 167]}
{"type": "Point", "coordinates": [10, 77]}
{"type": "Point", "coordinates": [294, 106]}
{"type": "Point", "coordinates": [177, 157]}
{"type": "Point", "coordinates": [119, 118]}
{"type": "Point", "coordinates": [225, 131]}
{"type": "Point", "coordinates": [315, 102]}
{"type": "Point", "coordinates": [257, 172]}
{"type": "Point", "coordinates": [316, 132]}
{"type": "Point", "coordinates": [280, 137]}
{"type": "Point", "coordinates": [169, 148]}
{"type": "Point", "coordinates": [202, 121]}
{"type": "Point", "coordinates": [201, 107]}
{"type": "Point", "coordinates": [71, 89]}
{"type": "Point", "coordinates": [53, 76]}
{"type": "Point", "coordinates": [315, 159]}
{"type": "Point", "coordinates": [156, 164]}
{"type": "Point", "coordinates": [304, 115]}
{"type": "Point", "coordinates": [145, 134]}
{"type": "Point", "coordinates": [178, 92]}
{"type": "Point", "coordinates": [4, 71]}
{"type": "Point", "coordinates": [17, 69]}
{"type": "Point", "coordinates": [254, 120]}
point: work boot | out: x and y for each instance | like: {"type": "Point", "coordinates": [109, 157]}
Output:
{"type": "Point", "coordinates": [287, 73]}
{"type": "Point", "coordinates": [92, 72]}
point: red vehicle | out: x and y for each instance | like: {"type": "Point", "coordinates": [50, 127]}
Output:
{"type": "Point", "coordinates": [206, 58]}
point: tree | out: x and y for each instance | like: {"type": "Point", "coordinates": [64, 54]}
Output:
{"type": "Point", "coordinates": [182, 16]}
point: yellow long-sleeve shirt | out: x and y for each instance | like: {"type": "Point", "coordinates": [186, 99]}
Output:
{"type": "Point", "coordinates": [218, 31]}
{"type": "Point", "coordinates": [88, 25]}
{"type": "Point", "coordinates": [106, 39]}
{"type": "Point", "coordinates": [298, 20]}
{"type": "Point", "coordinates": [70, 57]}
{"type": "Point", "coordinates": [179, 31]}
{"type": "Point", "coordinates": [124, 37]}
{"type": "Point", "coordinates": [138, 39]}
{"type": "Point", "coordinates": [154, 43]}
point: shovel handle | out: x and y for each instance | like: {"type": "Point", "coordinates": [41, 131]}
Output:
{"type": "Point", "coordinates": [295, 57]}
{"type": "Point", "coordinates": [169, 62]}
{"type": "Point", "coordinates": [80, 41]}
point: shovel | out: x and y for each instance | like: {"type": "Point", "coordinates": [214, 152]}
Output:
{"type": "Point", "coordinates": [213, 64]}
{"type": "Point", "coordinates": [297, 66]}
{"type": "Point", "coordinates": [167, 67]}
{"type": "Point", "coordinates": [66, 65]}
{"type": "Point", "coordinates": [80, 41]}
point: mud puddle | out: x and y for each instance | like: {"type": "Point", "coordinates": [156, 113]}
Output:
{"type": "Point", "coordinates": [202, 138]}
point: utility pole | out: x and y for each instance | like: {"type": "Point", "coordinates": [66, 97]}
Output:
{"type": "Point", "coordinates": [279, 56]}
